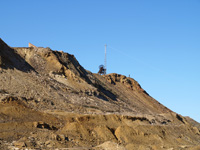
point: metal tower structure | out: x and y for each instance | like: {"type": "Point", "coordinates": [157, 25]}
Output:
{"type": "Point", "coordinates": [103, 68]}
{"type": "Point", "coordinates": [105, 62]}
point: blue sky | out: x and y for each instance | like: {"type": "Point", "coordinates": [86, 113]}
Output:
{"type": "Point", "coordinates": [157, 42]}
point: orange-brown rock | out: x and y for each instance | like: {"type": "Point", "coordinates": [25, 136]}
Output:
{"type": "Point", "coordinates": [49, 101]}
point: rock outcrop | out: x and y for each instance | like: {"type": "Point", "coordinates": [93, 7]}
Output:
{"type": "Point", "coordinates": [49, 101]}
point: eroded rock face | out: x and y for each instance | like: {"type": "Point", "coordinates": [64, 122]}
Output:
{"type": "Point", "coordinates": [11, 59]}
{"type": "Point", "coordinates": [127, 82]}
{"type": "Point", "coordinates": [49, 101]}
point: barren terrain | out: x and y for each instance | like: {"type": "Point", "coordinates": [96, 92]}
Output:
{"type": "Point", "coordinates": [49, 101]}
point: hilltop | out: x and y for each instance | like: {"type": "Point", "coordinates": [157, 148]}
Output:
{"type": "Point", "coordinates": [48, 100]}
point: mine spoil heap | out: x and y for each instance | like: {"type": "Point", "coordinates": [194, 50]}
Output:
{"type": "Point", "coordinates": [49, 101]}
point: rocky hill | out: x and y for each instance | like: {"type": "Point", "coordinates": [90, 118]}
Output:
{"type": "Point", "coordinates": [48, 101]}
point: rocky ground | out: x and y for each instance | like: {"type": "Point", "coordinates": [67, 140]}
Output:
{"type": "Point", "coordinates": [49, 101]}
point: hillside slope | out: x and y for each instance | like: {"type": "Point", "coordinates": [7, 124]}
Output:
{"type": "Point", "coordinates": [48, 100]}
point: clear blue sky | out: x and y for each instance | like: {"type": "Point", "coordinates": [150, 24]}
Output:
{"type": "Point", "coordinates": [157, 42]}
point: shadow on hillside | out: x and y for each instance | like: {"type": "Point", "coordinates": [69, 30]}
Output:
{"type": "Point", "coordinates": [9, 59]}
{"type": "Point", "coordinates": [106, 94]}
{"type": "Point", "coordinates": [71, 62]}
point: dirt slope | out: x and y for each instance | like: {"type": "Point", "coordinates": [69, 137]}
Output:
{"type": "Point", "coordinates": [48, 100]}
